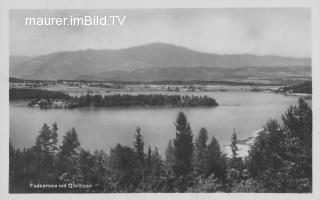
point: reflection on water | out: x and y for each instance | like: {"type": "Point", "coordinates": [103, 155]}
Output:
{"type": "Point", "coordinates": [103, 128]}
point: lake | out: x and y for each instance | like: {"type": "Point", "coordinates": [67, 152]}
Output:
{"type": "Point", "coordinates": [103, 128]}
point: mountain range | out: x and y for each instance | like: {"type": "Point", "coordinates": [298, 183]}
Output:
{"type": "Point", "coordinates": [154, 62]}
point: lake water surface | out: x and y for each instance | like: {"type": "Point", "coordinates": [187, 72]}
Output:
{"type": "Point", "coordinates": [103, 128]}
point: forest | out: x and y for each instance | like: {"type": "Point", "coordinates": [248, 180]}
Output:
{"type": "Point", "coordinates": [144, 100]}
{"type": "Point", "coordinates": [32, 94]}
{"type": "Point", "coordinates": [280, 160]}
{"type": "Point", "coordinates": [304, 88]}
{"type": "Point", "coordinates": [47, 99]}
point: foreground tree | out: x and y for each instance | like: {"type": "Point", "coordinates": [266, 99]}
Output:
{"type": "Point", "coordinates": [149, 159]}
{"type": "Point", "coordinates": [157, 164]}
{"type": "Point", "coordinates": [297, 126]}
{"type": "Point", "coordinates": [266, 149]}
{"type": "Point", "coordinates": [200, 152]}
{"type": "Point", "coordinates": [43, 152]}
{"type": "Point", "coordinates": [46, 142]}
{"type": "Point", "coordinates": [125, 169]}
{"type": "Point", "coordinates": [215, 162]}
{"type": "Point", "coordinates": [70, 144]}
{"type": "Point", "coordinates": [233, 145]}
{"type": "Point", "coordinates": [68, 155]}
{"type": "Point", "coordinates": [139, 146]}
{"type": "Point", "coordinates": [281, 156]}
{"type": "Point", "coordinates": [170, 156]}
{"type": "Point", "coordinates": [183, 146]}
{"type": "Point", "coordinates": [235, 161]}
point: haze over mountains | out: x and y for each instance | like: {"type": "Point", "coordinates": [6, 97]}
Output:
{"type": "Point", "coordinates": [154, 62]}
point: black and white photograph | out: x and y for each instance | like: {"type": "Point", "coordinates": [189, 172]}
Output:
{"type": "Point", "coordinates": [161, 100]}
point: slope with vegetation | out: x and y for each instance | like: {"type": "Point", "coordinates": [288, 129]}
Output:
{"type": "Point", "coordinates": [152, 61]}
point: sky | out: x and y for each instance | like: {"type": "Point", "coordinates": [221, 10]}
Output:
{"type": "Point", "coordinates": [260, 31]}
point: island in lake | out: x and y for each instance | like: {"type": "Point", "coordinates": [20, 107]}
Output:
{"type": "Point", "coordinates": [51, 99]}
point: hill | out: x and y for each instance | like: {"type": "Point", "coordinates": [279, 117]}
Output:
{"type": "Point", "coordinates": [243, 74]}
{"type": "Point", "coordinates": [150, 59]}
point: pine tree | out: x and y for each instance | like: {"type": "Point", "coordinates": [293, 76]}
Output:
{"type": "Point", "coordinates": [44, 151]}
{"type": "Point", "coordinates": [235, 162]}
{"type": "Point", "coordinates": [215, 160]}
{"type": "Point", "coordinates": [281, 156]}
{"type": "Point", "coordinates": [99, 169]}
{"type": "Point", "coordinates": [234, 147]}
{"type": "Point", "coordinates": [149, 159]}
{"type": "Point", "coordinates": [297, 123]}
{"type": "Point", "coordinates": [170, 157]}
{"type": "Point", "coordinates": [54, 140]}
{"type": "Point", "coordinates": [157, 164]}
{"type": "Point", "coordinates": [200, 151]}
{"type": "Point", "coordinates": [125, 168]}
{"type": "Point", "coordinates": [183, 146]}
{"type": "Point", "coordinates": [69, 153]}
{"type": "Point", "coordinates": [139, 146]}
{"type": "Point", "coordinates": [297, 145]}
{"type": "Point", "coordinates": [46, 141]}
{"type": "Point", "coordinates": [263, 153]}
{"type": "Point", "coordinates": [70, 144]}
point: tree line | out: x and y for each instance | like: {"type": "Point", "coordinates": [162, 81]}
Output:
{"type": "Point", "coordinates": [305, 88]}
{"type": "Point", "coordinates": [280, 160]}
{"type": "Point", "coordinates": [35, 94]}
{"type": "Point", "coordinates": [45, 99]}
{"type": "Point", "coordinates": [166, 82]}
{"type": "Point", "coordinates": [145, 100]}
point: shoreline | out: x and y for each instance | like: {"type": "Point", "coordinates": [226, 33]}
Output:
{"type": "Point", "coordinates": [243, 145]}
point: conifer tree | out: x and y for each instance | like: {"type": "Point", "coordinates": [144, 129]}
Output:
{"type": "Point", "coordinates": [157, 164]}
{"type": "Point", "coordinates": [297, 123]}
{"type": "Point", "coordinates": [183, 146]}
{"type": "Point", "coordinates": [200, 151]}
{"type": "Point", "coordinates": [45, 149]}
{"type": "Point", "coordinates": [46, 141]}
{"type": "Point", "coordinates": [70, 144]}
{"type": "Point", "coordinates": [54, 140]}
{"type": "Point", "coordinates": [69, 154]}
{"type": "Point", "coordinates": [281, 156]}
{"type": "Point", "coordinates": [149, 159]}
{"type": "Point", "coordinates": [139, 146]}
{"type": "Point", "coordinates": [170, 156]}
{"type": "Point", "coordinates": [234, 147]}
{"type": "Point", "coordinates": [235, 162]}
{"type": "Point", "coordinates": [125, 168]}
{"type": "Point", "coordinates": [215, 160]}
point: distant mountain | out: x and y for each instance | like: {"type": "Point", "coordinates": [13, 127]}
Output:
{"type": "Point", "coordinates": [154, 59]}
{"type": "Point", "coordinates": [202, 73]}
